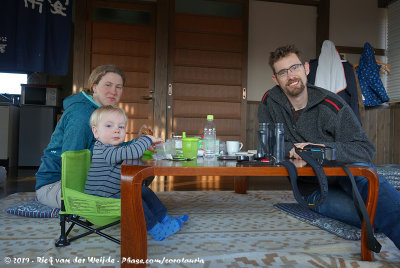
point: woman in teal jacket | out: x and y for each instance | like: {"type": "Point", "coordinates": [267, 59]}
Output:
{"type": "Point", "coordinates": [73, 131]}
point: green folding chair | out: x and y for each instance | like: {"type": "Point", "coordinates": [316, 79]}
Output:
{"type": "Point", "coordinates": [90, 212]}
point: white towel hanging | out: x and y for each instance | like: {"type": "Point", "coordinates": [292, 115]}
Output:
{"type": "Point", "coordinates": [330, 73]}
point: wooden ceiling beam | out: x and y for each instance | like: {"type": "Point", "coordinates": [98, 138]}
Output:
{"type": "Point", "coordinates": [296, 2]}
{"type": "Point", "coordinates": [384, 3]}
{"type": "Point", "coordinates": [323, 11]}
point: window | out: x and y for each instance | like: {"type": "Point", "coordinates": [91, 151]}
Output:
{"type": "Point", "coordinates": [205, 7]}
{"type": "Point", "coordinates": [11, 83]}
{"type": "Point", "coordinates": [121, 16]}
{"type": "Point", "coordinates": [393, 88]}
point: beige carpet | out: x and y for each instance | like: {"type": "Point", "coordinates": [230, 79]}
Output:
{"type": "Point", "coordinates": [224, 230]}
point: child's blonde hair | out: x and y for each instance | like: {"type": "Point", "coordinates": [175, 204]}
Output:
{"type": "Point", "coordinates": [99, 112]}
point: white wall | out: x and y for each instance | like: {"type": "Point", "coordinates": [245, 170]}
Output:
{"type": "Point", "coordinates": [272, 25]}
{"type": "Point", "coordinates": [352, 23]}
{"type": "Point", "coordinates": [393, 88]}
{"type": "Point", "coordinates": [9, 121]}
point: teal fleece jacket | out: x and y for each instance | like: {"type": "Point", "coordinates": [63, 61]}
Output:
{"type": "Point", "coordinates": [72, 133]}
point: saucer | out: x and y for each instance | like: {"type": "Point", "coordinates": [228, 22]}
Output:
{"type": "Point", "coordinates": [227, 157]}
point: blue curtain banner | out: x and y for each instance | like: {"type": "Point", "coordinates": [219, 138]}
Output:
{"type": "Point", "coordinates": [35, 36]}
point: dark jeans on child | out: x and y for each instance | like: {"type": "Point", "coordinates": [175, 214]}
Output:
{"type": "Point", "coordinates": [154, 210]}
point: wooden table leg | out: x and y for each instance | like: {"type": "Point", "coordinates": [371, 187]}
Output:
{"type": "Point", "coordinates": [133, 224]}
{"type": "Point", "coordinates": [371, 203]}
{"type": "Point", "coordinates": [240, 184]}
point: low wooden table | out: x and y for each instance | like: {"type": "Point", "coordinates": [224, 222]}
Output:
{"type": "Point", "coordinates": [133, 226]}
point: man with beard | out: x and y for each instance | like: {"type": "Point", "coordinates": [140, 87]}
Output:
{"type": "Point", "coordinates": [312, 115]}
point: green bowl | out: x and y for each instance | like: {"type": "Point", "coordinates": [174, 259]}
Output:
{"type": "Point", "coordinates": [148, 155]}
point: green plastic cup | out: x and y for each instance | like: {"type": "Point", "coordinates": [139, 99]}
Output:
{"type": "Point", "coordinates": [190, 147]}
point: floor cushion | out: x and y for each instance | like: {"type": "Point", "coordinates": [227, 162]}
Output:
{"type": "Point", "coordinates": [34, 209]}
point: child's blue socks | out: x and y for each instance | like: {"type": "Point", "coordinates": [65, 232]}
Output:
{"type": "Point", "coordinates": [162, 230]}
{"type": "Point", "coordinates": [181, 219]}
{"type": "Point", "coordinates": [167, 226]}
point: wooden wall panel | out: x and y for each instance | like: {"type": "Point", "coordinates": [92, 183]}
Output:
{"type": "Point", "coordinates": [137, 116]}
{"type": "Point", "coordinates": [226, 128]}
{"type": "Point", "coordinates": [395, 123]}
{"type": "Point", "coordinates": [202, 41]}
{"type": "Point", "coordinates": [377, 126]}
{"type": "Point", "coordinates": [135, 110]}
{"type": "Point", "coordinates": [252, 125]}
{"type": "Point", "coordinates": [126, 63]}
{"type": "Point", "coordinates": [79, 79]}
{"type": "Point", "coordinates": [205, 92]}
{"type": "Point", "coordinates": [207, 75]}
{"type": "Point", "coordinates": [383, 140]}
{"type": "Point", "coordinates": [121, 47]}
{"type": "Point", "coordinates": [200, 109]}
{"type": "Point", "coordinates": [135, 79]}
{"type": "Point", "coordinates": [211, 24]}
{"type": "Point", "coordinates": [161, 69]}
{"type": "Point", "coordinates": [135, 94]}
{"type": "Point", "coordinates": [208, 58]}
{"type": "Point", "coordinates": [133, 127]}
{"type": "Point", "coordinates": [206, 71]}
{"type": "Point", "coordinates": [369, 125]}
{"type": "Point", "coordinates": [115, 31]}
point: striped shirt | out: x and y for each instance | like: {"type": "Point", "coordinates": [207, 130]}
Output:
{"type": "Point", "coordinates": [104, 176]}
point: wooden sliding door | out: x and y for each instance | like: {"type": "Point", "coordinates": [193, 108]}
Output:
{"type": "Point", "coordinates": [207, 67]}
{"type": "Point", "coordinates": [123, 34]}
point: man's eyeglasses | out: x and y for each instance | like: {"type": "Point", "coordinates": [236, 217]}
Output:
{"type": "Point", "coordinates": [293, 69]}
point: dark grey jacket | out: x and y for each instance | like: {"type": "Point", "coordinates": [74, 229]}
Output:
{"type": "Point", "coordinates": [326, 119]}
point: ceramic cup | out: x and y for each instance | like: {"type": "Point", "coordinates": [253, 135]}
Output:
{"type": "Point", "coordinates": [233, 147]}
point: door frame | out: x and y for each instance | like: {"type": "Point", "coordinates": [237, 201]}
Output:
{"type": "Point", "coordinates": [171, 51]}
{"type": "Point", "coordinates": [161, 69]}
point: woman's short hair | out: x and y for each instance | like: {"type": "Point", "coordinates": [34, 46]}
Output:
{"type": "Point", "coordinates": [101, 71]}
{"type": "Point", "coordinates": [96, 116]}
{"type": "Point", "coordinates": [282, 52]}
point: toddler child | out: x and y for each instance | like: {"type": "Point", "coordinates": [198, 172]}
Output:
{"type": "Point", "coordinates": [104, 177]}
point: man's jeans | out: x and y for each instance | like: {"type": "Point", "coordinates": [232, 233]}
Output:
{"type": "Point", "coordinates": [154, 210]}
{"type": "Point", "coordinates": [339, 204]}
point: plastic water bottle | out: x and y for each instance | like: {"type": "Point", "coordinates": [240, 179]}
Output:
{"type": "Point", "coordinates": [209, 138]}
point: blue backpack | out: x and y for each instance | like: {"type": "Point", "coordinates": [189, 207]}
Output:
{"type": "Point", "coordinates": [368, 76]}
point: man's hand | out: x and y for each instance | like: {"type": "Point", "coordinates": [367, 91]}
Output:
{"type": "Point", "coordinates": [292, 153]}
